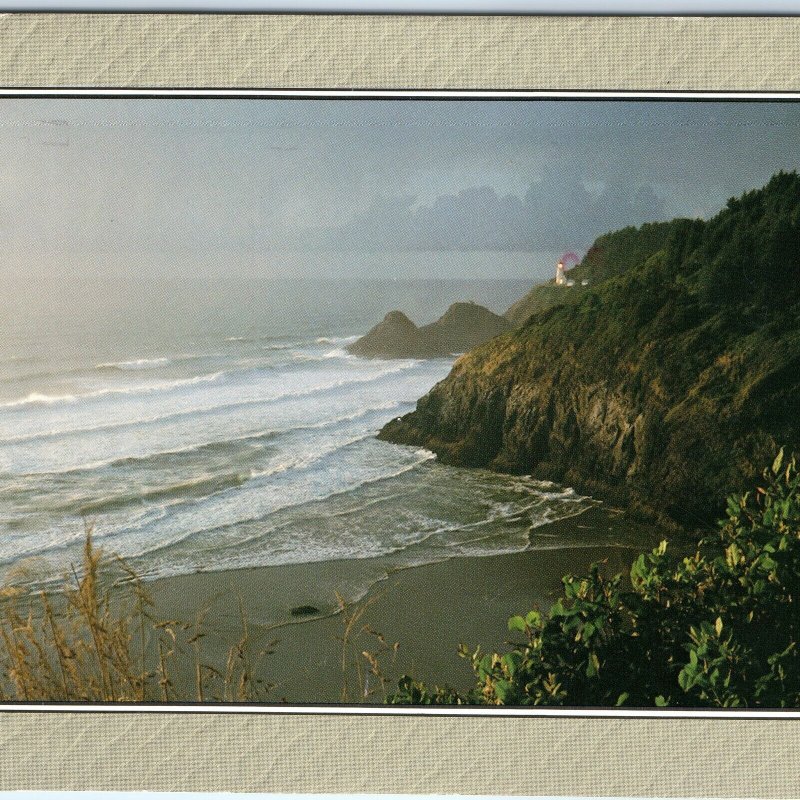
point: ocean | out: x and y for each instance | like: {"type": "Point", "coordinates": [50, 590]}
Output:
{"type": "Point", "coordinates": [227, 427]}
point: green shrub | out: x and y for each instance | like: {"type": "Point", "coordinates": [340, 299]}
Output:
{"type": "Point", "coordinates": [719, 627]}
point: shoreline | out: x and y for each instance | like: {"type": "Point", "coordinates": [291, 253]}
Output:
{"type": "Point", "coordinates": [428, 609]}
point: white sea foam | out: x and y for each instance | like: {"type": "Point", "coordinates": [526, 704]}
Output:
{"type": "Point", "coordinates": [255, 466]}
{"type": "Point", "coordinates": [197, 397]}
{"type": "Point", "coordinates": [185, 430]}
{"type": "Point", "coordinates": [136, 364]}
{"type": "Point", "coordinates": [338, 352]}
{"type": "Point", "coordinates": [337, 339]}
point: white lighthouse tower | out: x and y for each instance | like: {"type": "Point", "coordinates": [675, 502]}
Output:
{"type": "Point", "coordinates": [560, 279]}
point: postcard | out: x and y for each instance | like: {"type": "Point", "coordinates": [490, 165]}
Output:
{"type": "Point", "coordinates": [455, 401]}
{"type": "Point", "coordinates": [368, 439]}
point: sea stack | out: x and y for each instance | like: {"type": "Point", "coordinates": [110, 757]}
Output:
{"type": "Point", "coordinates": [462, 327]}
{"type": "Point", "coordinates": [395, 337]}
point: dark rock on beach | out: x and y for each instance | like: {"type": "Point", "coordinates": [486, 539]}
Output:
{"type": "Point", "coordinates": [304, 611]}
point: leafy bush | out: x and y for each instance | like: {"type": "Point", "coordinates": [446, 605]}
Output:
{"type": "Point", "coordinates": [719, 627]}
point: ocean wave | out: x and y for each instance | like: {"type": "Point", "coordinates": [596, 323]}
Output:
{"type": "Point", "coordinates": [220, 445]}
{"type": "Point", "coordinates": [198, 487]}
{"type": "Point", "coordinates": [336, 339]}
{"type": "Point", "coordinates": [136, 364]}
{"type": "Point", "coordinates": [181, 537]}
{"type": "Point", "coordinates": [300, 462]}
{"type": "Point", "coordinates": [433, 542]}
{"type": "Point", "coordinates": [338, 352]}
{"type": "Point", "coordinates": [218, 505]}
{"type": "Point", "coordinates": [188, 413]}
{"type": "Point", "coordinates": [38, 398]}
{"type": "Point", "coordinates": [29, 438]}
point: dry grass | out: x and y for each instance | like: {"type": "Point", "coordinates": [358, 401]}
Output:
{"type": "Point", "coordinates": [363, 674]}
{"type": "Point", "coordinates": [95, 641]}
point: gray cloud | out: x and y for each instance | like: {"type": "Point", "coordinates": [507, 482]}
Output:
{"type": "Point", "coordinates": [549, 216]}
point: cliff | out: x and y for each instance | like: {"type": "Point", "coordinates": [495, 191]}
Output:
{"type": "Point", "coordinates": [462, 327]}
{"type": "Point", "coordinates": [663, 388]}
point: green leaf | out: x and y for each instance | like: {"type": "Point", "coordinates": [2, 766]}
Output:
{"type": "Point", "coordinates": [516, 623]}
{"type": "Point", "coordinates": [593, 667]}
{"type": "Point", "coordinates": [511, 662]}
{"type": "Point", "coordinates": [534, 619]}
{"type": "Point", "coordinates": [622, 698]}
{"type": "Point", "coordinates": [660, 701]}
{"type": "Point", "coordinates": [503, 690]}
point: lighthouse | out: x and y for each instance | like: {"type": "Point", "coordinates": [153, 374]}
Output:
{"type": "Point", "coordinates": [560, 279]}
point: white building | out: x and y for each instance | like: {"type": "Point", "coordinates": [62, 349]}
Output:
{"type": "Point", "coordinates": [560, 279]}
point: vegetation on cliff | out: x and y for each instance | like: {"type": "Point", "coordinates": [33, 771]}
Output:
{"type": "Point", "coordinates": [663, 388]}
{"type": "Point", "coordinates": [716, 628]}
{"type": "Point", "coordinates": [611, 255]}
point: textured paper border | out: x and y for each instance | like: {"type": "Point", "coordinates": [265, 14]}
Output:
{"type": "Point", "coordinates": [338, 753]}
{"type": "Point", "coordinates": [399, 51]}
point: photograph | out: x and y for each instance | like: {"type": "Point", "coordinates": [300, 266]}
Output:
{"type": "Point", "coordinates": [400, 399]}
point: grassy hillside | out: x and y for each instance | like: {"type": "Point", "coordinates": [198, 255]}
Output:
{"type": "Point", "coordinates": [665, 387]}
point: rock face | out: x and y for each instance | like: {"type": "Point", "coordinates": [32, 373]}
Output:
{"type": "Point", "coordinates": [663, 389]}
{"type": "Point", "coordinates": [462, 327]}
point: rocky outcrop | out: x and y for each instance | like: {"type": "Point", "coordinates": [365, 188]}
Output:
{"type": "Point", "coordinates": [663, 389]}
{"type": "Point", "coordinates": [462, 327]}
{"type": "Point", "coordinates": [396, 336]}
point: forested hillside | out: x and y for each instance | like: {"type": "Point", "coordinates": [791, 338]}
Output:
{"type": "Point", "coordinates": [663, 388]}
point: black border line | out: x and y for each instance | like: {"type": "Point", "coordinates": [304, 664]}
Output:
{"type": "Point", "coordinates": [245, 709]}
{"type": "Point", "coordinates": [309, 709]}
{"type": "Point", "coordinates": [398, 94]}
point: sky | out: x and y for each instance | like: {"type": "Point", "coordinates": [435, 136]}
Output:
{"type": "Point", "coordinates": [97, 189]}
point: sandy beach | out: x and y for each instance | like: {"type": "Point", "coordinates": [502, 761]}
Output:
{"type": "Point", "coordinates": [429, 610]}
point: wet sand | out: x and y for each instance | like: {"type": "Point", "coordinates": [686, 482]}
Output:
{"type": "Point", "coordinates": [429, 610]}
